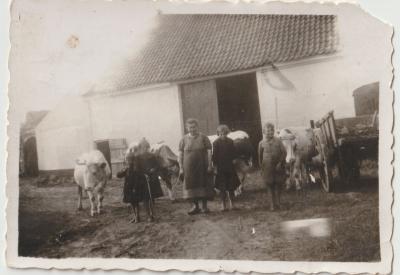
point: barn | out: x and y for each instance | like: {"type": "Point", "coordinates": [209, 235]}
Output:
{"type": "Point", "coordinates": [240, 70]}
{"type": "Point", "coordinates": [62, 135]}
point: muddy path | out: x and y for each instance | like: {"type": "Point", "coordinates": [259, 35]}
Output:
{"type": "Point", "coordinates": [50, 226]}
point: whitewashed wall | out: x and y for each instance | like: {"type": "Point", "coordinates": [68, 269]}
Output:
{"type": "Point", "coordinates": [63, 135]}
{"type": "Point", "coordinates": [307, 90]}
{"type": "Point", "coordinates": [152, 113]}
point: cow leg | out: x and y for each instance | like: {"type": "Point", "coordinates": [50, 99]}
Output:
{"type": "Point", "coordinates": [288, 184]}
{"type": "Point", "coordinates": [92, 201]}
{"type": "Point", "coordinates": [242, 181]}
{"type": "Point", "coordinates": [169, 188]}
{"type": "Point", "coordinates": [304, 179]}
{"type": "Point", "coordinates": [100, 198]}
{"type": "Point", "coordinates": [80, 198]}
{"type": "Point", "coordinates": [231, 196]}
{"type": "Point", "coordinates": [171, 194]}
{"type": "Point", "coordinates": [239, 190]}
{"type": "Point", "coordinates": [297, 171]}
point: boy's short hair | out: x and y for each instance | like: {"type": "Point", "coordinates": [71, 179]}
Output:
{"type": "Point", "coordinates": [268, 125]}
{"type": "Point", "coordinates": [223, 129]}
{"type": "Point", "coordinates": [192, 121]}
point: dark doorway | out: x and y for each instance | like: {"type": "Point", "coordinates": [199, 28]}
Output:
{"type": "Point", "coordinates": [239, 107]}
{"type": "Point", "coordinates": [104, 147]}
{"type": "Point", "coordinates": [30, 157]}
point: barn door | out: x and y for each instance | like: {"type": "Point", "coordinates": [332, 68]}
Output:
{"type": "Point", "coordinates": [199, 100]}
{"type": "Point", "coordinates": [239, 106]}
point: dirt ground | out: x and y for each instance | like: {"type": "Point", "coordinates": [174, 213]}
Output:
{"type": "Point", "coordinates": [50, 226]}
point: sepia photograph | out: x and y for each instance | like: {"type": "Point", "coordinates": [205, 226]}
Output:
{"type": "Point", "coordinates": [216, 133]}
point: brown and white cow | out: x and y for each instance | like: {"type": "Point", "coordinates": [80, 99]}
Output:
{"type": "Point", "coordinates": [244, 150]}
{"type": "Point", "coordinates": [299, 143]}
{"type": "Point", "coordinates": [166, 158]}
{"type": "Point", "coordinates": [91, 173]}
{"type": "Point", "coordinates": [168, 165]}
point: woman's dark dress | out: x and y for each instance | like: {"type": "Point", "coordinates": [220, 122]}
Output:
{"type": "Point", "coordinates": [148, 165]}
{"type": "Point", "coordinates": [223, 155]}
{"type": "Point", "coordinates": [133, 186]}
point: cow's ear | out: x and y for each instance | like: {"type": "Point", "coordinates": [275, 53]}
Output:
{"type": "Point", "coordinates": [103, 165]}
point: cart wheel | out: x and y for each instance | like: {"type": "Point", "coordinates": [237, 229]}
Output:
{"type": "Point", "coordinates": [326, 179]}
{"type": "Point", "coordinates": [330, 175]}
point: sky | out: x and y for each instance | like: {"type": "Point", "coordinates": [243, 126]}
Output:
{"type": "Point", "coordinates": [61, 48]}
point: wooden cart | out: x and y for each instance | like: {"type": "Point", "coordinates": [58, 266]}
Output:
{"type": "Point", "coordinates": [342, 144]}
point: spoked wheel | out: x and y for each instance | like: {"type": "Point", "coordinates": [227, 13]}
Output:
{"type": "Point", "coordinates": [329, 176]}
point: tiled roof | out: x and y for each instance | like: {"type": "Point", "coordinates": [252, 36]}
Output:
{"type": "Point", "coordinates": [185, 47]}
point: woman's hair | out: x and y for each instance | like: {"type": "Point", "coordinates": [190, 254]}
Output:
{"type": "Point", "coordinates": [192, 121]}
{"type": "Point", "coordinates": [223, 129]}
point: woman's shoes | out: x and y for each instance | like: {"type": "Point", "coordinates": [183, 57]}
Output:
{"type": "Point", "coordinates": [194, 211]}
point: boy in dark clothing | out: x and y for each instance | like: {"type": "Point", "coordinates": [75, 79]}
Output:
{"type": "Point", "coordinates": [226, 180]}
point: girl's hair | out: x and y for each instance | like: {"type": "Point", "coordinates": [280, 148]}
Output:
{"type": "Point", "coordinates": [192, 121]}
{"type": "Point", "coordinates": [144, 144]}
{"type": "Point", "coordinates": [223, 129]}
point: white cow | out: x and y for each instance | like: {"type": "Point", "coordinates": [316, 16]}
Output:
{"type": "Point", "coordinates": [243, 164]}
{"type": "Point", "coordinates": [91, 174]}
{"type": "Point", "coordinates": [299, 143]}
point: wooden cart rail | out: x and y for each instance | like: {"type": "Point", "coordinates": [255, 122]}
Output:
{"type": "Point", "coordinates": [341, 144]}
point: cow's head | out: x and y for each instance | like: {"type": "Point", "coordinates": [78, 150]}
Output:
{"type": "Point", "coordinates": [289, 142]}
{"type": "Point", "coordinates": [97, 171]}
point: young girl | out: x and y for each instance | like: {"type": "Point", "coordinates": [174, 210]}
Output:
{"type": "Point", "coordinates": [226, 180]}
{"type": "Point", "coordinates": [141, 183]}
{"type": "Point", "coordinates": [133, 185]}
{"type": "Point", "coordinates": [272, 155]}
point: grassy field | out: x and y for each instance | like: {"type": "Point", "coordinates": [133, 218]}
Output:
{"type": "Point", "coordinates": [51, 227]}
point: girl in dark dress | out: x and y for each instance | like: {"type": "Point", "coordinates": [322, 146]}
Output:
{"type": "Point", "coordinates": [141, 184]}
{"type": "Point", "coordinates": [226, 180]}
{"type": "Point", "coordinates": [133, 185]}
